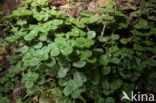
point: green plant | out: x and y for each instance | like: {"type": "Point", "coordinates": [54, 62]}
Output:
{"type": "Point", "coordinates": [91, 58]}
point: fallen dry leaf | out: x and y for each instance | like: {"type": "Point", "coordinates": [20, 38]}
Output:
{"type": "Point", "coordinates": [103, 2]}
{"type": "Point", "coordinates": [43, 100]}
{"type": "Point", "coordinates": [57, 2]}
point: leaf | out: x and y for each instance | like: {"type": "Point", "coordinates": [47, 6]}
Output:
{"type": "Point", "coordinates": [38, 45]}
{"type": "Point", "coordinates": [62, 61]}
{"type": "Point", "coordinates": [45, 49]}
{"type": "Point", "coordinates": [104, 60]}
{"type": "Point", "coordinates": [115, 37]}
{"type": "Point", "coordinates": [91, 34]}
{"type": "Point", "coordinates": [4, 99]}
{"type": "Point", "coordinates": [57, 91]}
{"type": "Point", "coordinates": [55, 52]}
{"type": "Point", "coordinates": [60, 42]}
{"type": "Point", "coordinates": [21, 12]}
{"type": "Point", "coordinates": [75, 32]}
{"type": "Point", "coordinates": [116, 84]}
{"type": "Point", "coordinates": [138, 47]}
{"type": "Point", "coordinates": [34, 61]}
{"type": "Point", "coordinates": [93, 19]}
{"type": "Point", "coordinates": [45, 56]}
{"type": "Point", "coordinates": [79, 24]}
{"type": "Point", "coordinates": [21, 22]}
{"type": "Point", "coordinates": [62, 72]}
{"type": "Point", "coordinates": [103, 39]}
{"type": "Point", "coordinates": [123, 25]}
{"type": "Point", "coordinates": [42, 81]}
{"type": "Point", "coordinates": [96, 78]}
{"type": "Point", "coordinates": [113, 86]}
{"type": "Point", "coordinates": [108, 18]}
{"type": "Point", "coordinates": [72, 19]}
{"type": "Point", "coordinates": [101, 100]}
{"type": "Point", "coordinates": [85, 54]}
{"type": "Point", "coordinates": [106, 70]}
{"type": "Point", "coordinates": [115, 60]}
{"type": "Point", "coordinates": [76, 94]}
{"type": "Point", "coordinates": [63, 81]}
{"type": "Point", "coordinates": [40, 2]}
{"type": "Point", "coordinates": [30, 76]}
{"type": "Point", "coordinates": [110, 100]}
{"type": "Point", "coordinates": [151, 62]}
{"type": "Point", "coordinates": [142, 24]}
{"type": "Point", "coordinates": [105, 85]}
{"type": "Point", "coordinates": [89, 43]}
{"type": "Point", "coordinates": [79, 64]}
{"type": "Point", "coordinates": [124, 41]}
{"type": "Point", "coordinates": [79, 79]}
{"type": "Point", "coordinates": [18, 67]}
{"type": "Point", "coordinates": [67, 50]}
{"type": "Point", "coordinates": [113, 49]}
{"type": "Point", "coordinates": [43, 38]}
{"type": "Point", "coordinates": [83, 42]}
{"type": "Point", "coordinates": [70, 87]}
{"type": "Point", "coordinates": [13, 59]}
{"type": "Point", "coordinates": [63, 100]}
{"type": "Point", "coordinates": [24, 49]}
{"type": "Point", "coordinates": [93, 60]}
{"type": "Point", "coordinates": [153, 31]}
{"type": "Point", "coordinates": [51, 63]}
{"type": "Point", "coordinates": [1, 13]}
{"type": "Point", "coordinates": [26, 2]}
{"type": "Point", "coordinates": [36, 53]}
{"type": "Point", "coordinates": [151, 49]}
{"type": "Point", "coordinates": [80, 42]}
{"type": "Point", "coordinates": [57, 22]}
{"type": "Point", "coordinates": [31, 35]}
{"type": "Point", "coordinates": [82, 33]}
{"type": "Point", "coordinates": [29, 84]}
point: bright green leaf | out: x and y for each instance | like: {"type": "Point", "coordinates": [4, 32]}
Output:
{"type": "Point", "coordinates": [38, 45]}
{"type": "Point", "coordinates": [91, 34]}
{"type": "Point", "coordinates": [79, 64]}
{"type": "Point", "coordinates": [55, 52]}
{"type": "Point", "coordinates": [24, 49]}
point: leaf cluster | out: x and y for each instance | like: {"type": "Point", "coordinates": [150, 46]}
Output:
{"type": "Point", "coordinates": [91, 58]}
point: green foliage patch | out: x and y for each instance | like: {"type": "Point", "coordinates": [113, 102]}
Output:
{"type": "Point", "coordinates": [93, 58]}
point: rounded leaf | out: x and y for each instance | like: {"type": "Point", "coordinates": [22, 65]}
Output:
{"type": "Point", "coordinates": [110, 100]}
{"type": "Point", "coordinates": [63, 100]}
{"type": "Point", "coordinates": [29, 84]}
{"type": "Point", "coordinates": [115, 37]}
{"type": "Point", "coordinates": [79, 64]}
{"type": "Point", "coordinates": [67, 50]}
{"type": "Point", "coordinates": [106, 70]}
{"type": "Point", "coordinates": [55, 52]}
{"type": "Point", "coordinates": [38, 45]}
{"type": "Point", "coordinates": [62, 72]}
{"type": "Point", "coordinates": [91, 34]}
{"type": "Point", "coordinates": [24, 49]}
{"type": "Point", "coordinates": [103, 60]}
{"type": "Point", "coordinates": [34, 61]}
{"type": "Point", "coordinates": [124, 41]}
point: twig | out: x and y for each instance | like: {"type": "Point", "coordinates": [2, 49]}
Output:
{"type": "Point", "coordinates": [103, 30]}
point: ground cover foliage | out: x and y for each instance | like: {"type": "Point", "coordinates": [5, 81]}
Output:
{"type": "Point", "coordinates": [66, 59]}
